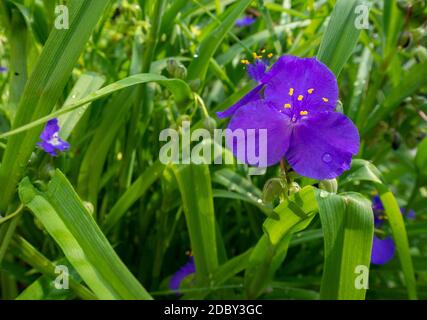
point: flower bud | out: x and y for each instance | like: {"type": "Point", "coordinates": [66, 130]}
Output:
{"type": "Point", "coordinates": [195, 84]}
{"type": "Point", "coordinates": [330, 185]}
{"type": "Point", "coordinates": [420, 53]}
{"type": "Point", "coordinates": [181, 119]}
{"type": "Point", "coordinates": [405, 39]}
{"type": "Point", "coordinates": [272, 190]}
{"type": "Point", "coordinates": [294, 188]}
{"type": "Point", "coordinates": [176, 69]}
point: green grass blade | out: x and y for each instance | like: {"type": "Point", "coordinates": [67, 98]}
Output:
{"type": "Point", "coordinates": [414, 79]}
{"type": "Point", "coordinates": [24, 250]}
{"type": "Point", "coordinates": [194, 183]}
{"type": "Point", "coordinates": [400, 238]}
{"type": "Point", "coordinates": [209, 45]}
{"type": "Point", "coordinates": [135, 192]}
{"type": "Point", "coordinates": [69, 223]}
{"type": "Point", "coordinates": [363, 170]}
{"type": "Point", "coordinates": [340, 37]}
{"type": "Point", "coordinates": [85, 85]}
{"type": "Point", "coordinates": [179, 89]}
{"type": "Point", "coordinates": [348, 228]}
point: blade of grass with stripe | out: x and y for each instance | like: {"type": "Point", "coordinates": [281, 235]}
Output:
{"type": "Point", "coordinates": [400, 237]}
{"type": "Point", "coordinates": [341, 36]}
{"type": "Point", "coordinates": [348, 228]}
{"type": "Point", "coordinates": [85, 85]}
{"type": "Point", "coordinates": [363, 170]}
{"type": "Point", "coordinates": [194, 183]}
{"type": "Point", "coordinates": [66, 219]}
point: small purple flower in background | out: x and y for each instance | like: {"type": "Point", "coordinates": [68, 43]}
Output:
{"type": "Point", "coordinates": [183, 272]}
{"type": "Point", "coordinates": [3, 69]}
{"type": "Point", "coordinates": [383, 250]}
{"type": "Point", "coordinates": [50, 140]}
{"type": "Point", "coordinates": [245, 21]}
{"type": "Point", "coordinates": [295, 102]}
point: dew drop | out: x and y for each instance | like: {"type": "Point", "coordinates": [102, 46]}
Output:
{"type": "Point", "coordinates": [327, 158]}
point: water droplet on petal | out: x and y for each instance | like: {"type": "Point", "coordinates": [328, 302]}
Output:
{"type": "Point", "coordinates": [327, 158]}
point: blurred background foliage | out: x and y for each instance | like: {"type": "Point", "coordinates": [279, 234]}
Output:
{"type": "Point", "coordinates": [153, 215]}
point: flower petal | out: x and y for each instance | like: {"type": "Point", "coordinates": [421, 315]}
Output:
{"type": "Point", "coordinates": [245, 21]}
{"type": "Point", "coordinates": [48, 148]}
{"type": "Point", "coordinates": [259, 115]}
{"type": "Point", "coordinates": [256, 70]}
{"type": "Point", "coordinates": [50, 129]}
{"type": "Point", "coordinates": [304, 83]}
{"type": "Point", "coordinates": [253, 95]}
{"type": "Point", "coordinates": [322, 145]}
{"type": "Point", "coordinates": [410, 214]}
{"type": "Point", "coordinates": [382, 250]}
{"type": "Point", "coordinates": [184, 271]}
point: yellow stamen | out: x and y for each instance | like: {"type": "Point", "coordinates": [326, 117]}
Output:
{"type": "Point", "coordinates": [291, 91]}
{"type": "Point", "coordinates": [303, 113]}
{"type": "Point", "coordinates": [325, 99]}
{"type": "Point", "coordinates": [310, 91]}
{"type": "Point", "coordinates": [270, 55]}
{"type": "Point", "coordinates": [300, 97]}
{"type": "Point", "coordinates": [256, 56]}
{"type": "Point", "coordinates": [263, 51]}
{"type": "Point", "coordinates": [244, 61]}
{"type": "Point", "coordinates": [287, 105]}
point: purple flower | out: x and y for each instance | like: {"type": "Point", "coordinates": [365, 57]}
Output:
{"type": "Point", "coordinates": [186, 270]}
{"type": "Point", "coordinates": [257, 70]}
{"type": "Point", "coordinates": [383, 250]}
{"type": "Point", "coordinates": [3, 69]}
{"type": "Point", "coordinates": [245, 21]}
{"type": "Point", "coordinates": [379, 213]}
{"type": "Point", "coordinates": [295, 102]}
{"type": "Point", "coordinates": [50, 140]}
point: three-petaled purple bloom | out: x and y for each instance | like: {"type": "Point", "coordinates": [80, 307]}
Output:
{"type": "Point", "coordinates": [383, 250]}
{"type": "Point", "coordinates": [183, 272]}
{"type": "Point", "coordinates": [295, 103]}
{"type": "Point", "coordinates": [245, 21]}
{"type": "Point", "coordinates": [50, 140]}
